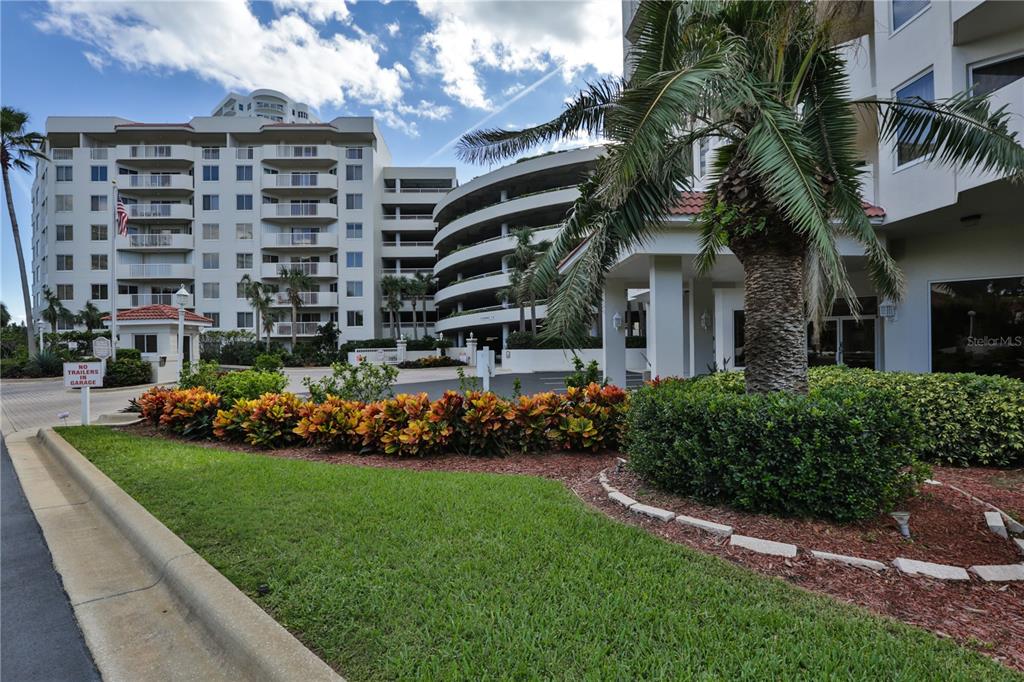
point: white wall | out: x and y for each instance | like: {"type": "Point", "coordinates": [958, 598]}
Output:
{"type": "Point", "coordinates": [559, 360]}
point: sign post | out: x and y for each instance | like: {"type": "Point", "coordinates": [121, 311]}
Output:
{"type": "Point", "coordinates": [83, 375]}
{"type": "Point", "coordinates": [485, 367]}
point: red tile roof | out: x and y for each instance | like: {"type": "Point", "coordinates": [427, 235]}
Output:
{"type": "Point", "coordinates": [157, 312]}
{"type": "Point", "coordinates": [691, 203]}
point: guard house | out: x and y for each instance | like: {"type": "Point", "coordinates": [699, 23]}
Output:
{"type": "Point", "coordinates": [153, 331]}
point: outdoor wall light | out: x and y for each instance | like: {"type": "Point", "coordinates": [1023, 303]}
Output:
{"type": "Point", "coordinates": [617, 321]}
{"type": "Point", "coordinates": [181, 296]}
{"type": "Point", "coordinates": [903, 521]}
{"type": "Point", "coordinates": [705, 321]}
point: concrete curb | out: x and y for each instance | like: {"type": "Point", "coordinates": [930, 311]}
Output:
{"type": "Point", "coordinates": [246, 633]}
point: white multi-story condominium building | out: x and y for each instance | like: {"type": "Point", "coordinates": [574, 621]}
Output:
{"type": "Point", "coordinates": [474, 240]}
{"type": "Point", "coordinates": [233, 194]}
{"type": "Point", "coordinates": [957, 235]}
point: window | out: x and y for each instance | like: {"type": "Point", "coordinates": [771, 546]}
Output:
{"type": "Point", "coordinates": [243, 230]}
{"type": "Point", "coordinates": [243, 202]}
{"type": "Point", "coordinates": [354, 318]}
{"type": "Point", "coordinates": [66, 292]}
{"type": "Point", "coordinates": [211, 261]}
{"type": "Point", "coordinates": [213, 316]}
{"type": "Point", "coordinates": [65, 233]}
{"type": "Point", "coordinates": [65, 174]}
{"type": "Point", "coordinates": [354, 152]}
{"type": "Point", "coordinates": [211, 231]}
{"type": "Point", "coordinates": [65, 203]}
{"type": "Point", "coordinates": [905, 10]}
{"type": "Point", "coordinates": [211, 173]}
{"type": "Point", "coordinates": [353, 201]}
{"type": "Point", "coordinates": [98, 202]}
{"type": "Point", "coordinates": [703, 156]}
{"type": "Point", "coordinates": [912, 145]}
{"type": "Point", "coordinates": [353, 289]}
{"type": "Point", "coordinates": [990, 77]}
{"type": "Point", "coordinates": [243, 320]}
{"type": "Point", "coordinates": [65, 261]}
{"type": "Point", "coordinates": [353, 172]}
{"type": "Point", "coordinates": [243, 173]}
{"type": "Point", "coordinates": [241, 289]}
{"type": "Point", "coordinates": [98, 233]}
{"type": "Point", "coordinates": [354, 259]}
{"type": "Point", "coordinates": [98, 173]}
{"type": "Point", "coordinates": [211, 153]}
{"type": "Point", "coordinates": [211, 289]}
{"type": "Point", "coordinates": [977, 326]}
{"type": "Point", "coordinates": [144, 343]}
{"type": "Point", "coordinates": [99, 292]}
{"type": "Point", "coordinates": [353, 230]}
{"type": "Point", "coordinates": [243, 261]}
{"type": "Point", "coordinates": [211, 202]}
{"type": "Point", "coordinates": [98, 261]}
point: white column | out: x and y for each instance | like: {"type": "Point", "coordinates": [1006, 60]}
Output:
{"type": "Point", "coordinates": [702, 326]}
{"type": "Point", "coordinates": [665, 340]}
{"type": "Point", "coordinates": [613, 349]}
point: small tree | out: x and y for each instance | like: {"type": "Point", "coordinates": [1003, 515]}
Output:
{"type": "Point", "coordinates": [90, 316]}
{"type": "Point", "coordinates": [55, 310]}
{"type": "Point", "coordinates": [391, 288]}
{"type": "Point", "coordinates": [424, 283]}
{"type": "Point", "coordinates": [260, 299]}
{"type": "Point", "coordinates": [296, 281]}
{"type": "Point", "coordinates": [5, 316]}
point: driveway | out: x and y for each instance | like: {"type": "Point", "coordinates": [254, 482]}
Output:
{"type": "Point", "coordinates": [32, 403]}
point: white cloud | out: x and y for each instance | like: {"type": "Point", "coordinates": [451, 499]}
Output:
{"type": "Point", "coordinates": [392, 28]}
{"type": "Point", "coordinates": [512, 89]}
{"type": "Point", "coordinates": [226, 43]}
{"type": "Point", "coordinates": [426, 109]}
{"type": "Point", "coordinates": [469, 37]}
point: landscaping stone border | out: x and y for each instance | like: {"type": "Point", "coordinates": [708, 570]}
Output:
{"type": "Point", "coordinates": [910, 567]}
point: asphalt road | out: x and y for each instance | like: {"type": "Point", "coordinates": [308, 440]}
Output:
{"type": "Point", "coordinates": [39, 636]}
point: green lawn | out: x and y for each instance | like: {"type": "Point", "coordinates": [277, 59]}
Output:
{"type": "Point", "coordinates": [398, 574]}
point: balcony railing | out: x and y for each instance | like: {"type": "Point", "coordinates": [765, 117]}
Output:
{"type": "Point", "coordinates": [62, 154]}
{"type": "Point", "coordinates": [410, 216]}
{"type": "Point", "coordinates": [150, 151]}
{"type": "Point", "coordinates": [407, 271]}
{"type": "Point", "coordinates": [98, 153]}
{"type": "Point", "coordinates": [298, 210]}
{"type": "Point", "coordinates": [158, 181]}
{"type": "Point", "coordinates": [301, 328]}
{"type": "Point", "coordinates": [298, 180]}
{"type": "Point", "coordinates": [297, 151]}
{"type": "Point", "coordinates": [417, 190]}
{"type": "Point", "coordinates": [308, 298]}
{"type": "Point", "coordinates": [273, 270]}
{"type": "Point", "coordinates": [157, 241]}
{"type": "Point", "coordinates": [181, 211]}
{"type": "Point", "coordinates": [136, 300]}
{"type": "Point", "coordinates": [154, 270]}
{"type": "Point", "coordinates": [244, 153]}
{"type": "Point", "coordinates": [295, 238]}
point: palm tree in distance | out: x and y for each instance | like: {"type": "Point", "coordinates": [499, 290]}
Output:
{"type": "Point", "coordinates": [268, 321]}
{"type": "Point", "coordinates": [260, 300]}
{"type": "Point", "coordinates": [423, 283]}
{"type": "Point", "coordinates": [90, 316]}
{"type": "Point", "coordinates": [521, 261]}
{"type": "Point", "coordinates": [296, 282]}
{"type": "Point", "coordinates": [19, 145]}
{"type": "Point", "coordinates": [767, 81]}
{"type": "Point", "coordinates": [391, 287]}
{"type": "Point", "coordinates": [54, 311]}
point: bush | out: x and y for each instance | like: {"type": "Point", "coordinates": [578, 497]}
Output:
{"type": "Point", "coordinates": [843, 452]}
{"type": "Point", "coordinates": [365, 382]}
{"type": "Point", "coordinates": [13, 367]}
{"type": "Point", "coordinates": [332, 423]}
{"type": "Point", "coordinates": [594, 418]}
{"type": "Point", "coordinates": [45, 363]}
{"type": "Point", "coordinates": [583, 375]}
{"type": "Point", "coordinates": [268, 362]}
{"type": "Point", "coordinates": [247, 384]}
{"type": "Point", "coordinates": [431, 361]}
{"type": "Point", "coordinates": [189, 412]}
{"type": "Point", "coordinates": [486, 422]}
{"type": "Point", "coordinates": [129, 354]}
{"type": "Point", "coordinates": [126, 371]}
{"type": "Point", "coordinates": [151, 403]}
{"type": "Point", "coordinates": [267, 421]}
{"type": "Point", "coordinates": [204, 373]}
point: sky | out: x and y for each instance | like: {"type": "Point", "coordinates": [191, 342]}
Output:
{"type": "Point", "coordinates": [428, 70]}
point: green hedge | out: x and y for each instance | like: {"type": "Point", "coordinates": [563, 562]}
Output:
{"type": "Point", "coordinates": [968, 419]}
{"type": "Point", "coordinates": [843, 452]}
{"type": "Point", "coordinates": [127, 371]}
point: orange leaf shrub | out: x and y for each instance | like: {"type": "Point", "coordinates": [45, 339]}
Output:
{"type": "Point", "coordinates": [190, 412]}
{"type": "Point", "coordinates": [267, 421]}
{"type": "Point", "coordinates": [486, 423]}
{"type": "Point", "coordinates": [332, 423]}
{"type": "Point", "coordinates": [152, 403]}
{"type": "Point", "coordinates": [535, 416]}
{"type": "Point", "coordinates": [595, 418]}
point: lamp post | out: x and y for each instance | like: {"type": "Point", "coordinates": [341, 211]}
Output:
{"type": "Point", "coordinates": [41, 326]}
{"type": "Point", "coordinates": [181, 297]}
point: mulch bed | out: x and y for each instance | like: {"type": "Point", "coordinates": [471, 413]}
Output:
{"type": "Point", "coordinates": [947, 527]}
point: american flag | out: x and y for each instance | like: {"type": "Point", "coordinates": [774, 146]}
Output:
{"type": "Point", "coordinates": [122, 218]}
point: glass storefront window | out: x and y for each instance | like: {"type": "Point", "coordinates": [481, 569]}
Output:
{"type": "Point", "coordinates": [978, 326]}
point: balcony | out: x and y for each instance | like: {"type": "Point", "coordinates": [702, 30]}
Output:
{"type": "Point", "coordinates": [136, 300]}
{"type": "Point", "coordinates": [159, 242]}
{"type": "Point", "coordinates": [273, 270]}
{"type": "Point", "coordinates": [159, 212]}
{"type": "Point", "coordinates": [487, 281]}
{"type": "Point", "coordinates": [484, 316]}
{"type": "Point", "coordinates": [301, 328]}
{"type": "Point", "coordinates": [414, 195]}
{"type": "Point", "coordinates": [300, 240]}
{"type": "Point", "coordinates": [292, 155]}
{"type": "Point", "coordinates": [173, 271]}
{"type": "Point", "coordinates": [408, 249]}
{"type": "Point", "coordinates": [149, 155]}
{"type": "Point", "coordinates": [156, 182]}
{"type": "Point", "coordinates": [303, 183]}
{"type": "Point", "coordinates": [310, 299]}
{"type": "Point", "coordinates": [492, 248]}
{"type": "Point", "coordinates": [293, 211]}
{"type": "Point", "coordinates": [407, 272]}
{"type": "Point", "coordinates": [414, 221]}
{"type": "Point", "coordinates": [509, 211]}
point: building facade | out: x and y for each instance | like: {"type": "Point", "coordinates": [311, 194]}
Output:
{"type": "Point", "coordinates": [235, 194]}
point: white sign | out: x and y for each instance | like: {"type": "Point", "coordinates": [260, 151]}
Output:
{"type": "Point", "coordinates": [101, 347]}
{"type": "Point", "coordinates": [83, 374]}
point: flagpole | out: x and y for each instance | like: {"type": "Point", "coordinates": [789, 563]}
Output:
{"type": "Point", "coordinates": [113, 274]}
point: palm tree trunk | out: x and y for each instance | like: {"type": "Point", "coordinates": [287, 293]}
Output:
{"type": "Point", "coordinates": [522, 318]}
{"type": "Point", "coordinates": [775, 326]}
{"type": "Point", "coordinates": [295, 315]}
{"type": "Point", "coordinates": [533, 314]}
{"type": "Point", "coordinates": [258, 328]}
{"type": "Point", "coordinates": [25, 293]}
{"type": "Point", "coordinates": [415, 321]}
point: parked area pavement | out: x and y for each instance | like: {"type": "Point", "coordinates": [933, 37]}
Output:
{"type": "Point", "coordinates": [39, 636]}
{"type": "Point", "coordinates": [33, 403]}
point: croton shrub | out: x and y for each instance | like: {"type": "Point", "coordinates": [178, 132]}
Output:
{"type": "Point", "coordinates": [590, 419]}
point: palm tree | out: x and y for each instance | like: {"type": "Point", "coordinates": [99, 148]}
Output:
{"type": "Point", "coordinates": [767, 81]}
{"type": "Point", "coordinates": [521, 261]}
{"type": "Point", "coordinates": [17, 147]}
{"type": "Point", "coordinates": [392, 287]}
{"type": "Point", "coordinates": [90, 316]}
{"type": "Point", "coordinates": [296, 281]}
{"type": "Point", "coordinates": [268, 320]}
{"type": "Point", "coordinates": [5, 316]}
{"type": "Point", "coordinates": [55, 310]}
{"type": "Point", "coordinates": [422, 284]}
{"type": "Point", "coordinates": [259, 298]}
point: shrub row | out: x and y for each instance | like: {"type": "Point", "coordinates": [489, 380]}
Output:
{"type": "Point", "coordinates": [843, 452]}
{"type": "Point", "coordinates": [585, 419]}
{"type": "Point", "coordinates": [431, 361]}
{"type": "Point", "coordinates": [231, 386]}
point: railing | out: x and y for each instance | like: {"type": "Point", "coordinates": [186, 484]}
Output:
{"type": "Point", "coordinates": [417, 190]}
{"type": "Point", "coordinates": [157, 181]}
{"type": "Point", "coordinates": [271, 270]}
{"type": "Point", "coordinates": [298, 210]}
{"type": "Point", "coordinates": [310, 298]}
{"type": "Point", "coordinates": [301, 328]}
{"type": "Point", "coordinates": [98, 153]}
{"type": "Point", "coordinates": [274, 106]}
{"type": "Point", "coordinates": [150, 151]}
{"type": "Point", "coordinates": [298, 180]}
{"type": "Point", "coordinates": [408, 244]}
{"type": "Point", "coordinates": [62, 154]}
{"type": "Point", "coordinates": [244, 153]}
{"type": "Point", "coordinates": [157, 211]}
{"type": "Point", "coordinates": [407, 271]}
{"type": "Point", "coordinates": [297, 151]}
{"type": "Point", "coordinates": [157, 240]}
{"type": "Point", "coordinates": [211, 153]}
{"type": "Point", "coordinates": [136, 300]}
{"type": "Point", "coordinates": [547, 190]}
{"type": "Point", "coordinates": [161, 270]}
{"type": "Point", "coordinates": [291, 238]}
{"type": "Point", "coordinates": [490, 308]}
{"type": "Point", "coordinates": [480, 276]}
{"type": "Point", "coordinates": [413, 216]}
